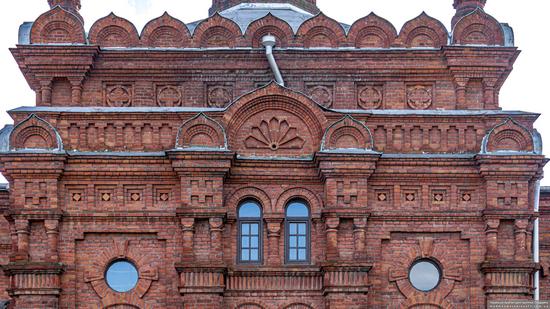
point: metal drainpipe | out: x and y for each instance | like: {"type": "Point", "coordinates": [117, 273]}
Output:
{"type": "Point", "coordinates": [268, 42]}
{"type": "Point", "coordinates": [536, 257]}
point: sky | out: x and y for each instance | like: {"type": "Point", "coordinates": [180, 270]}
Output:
{"type": "Point", "coordinates": [526, 89]}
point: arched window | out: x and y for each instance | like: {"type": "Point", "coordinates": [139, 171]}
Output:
{"type": "Point", "coordinates": [250, 232]}
{"type": "Point", "coordinates": [297, 226]}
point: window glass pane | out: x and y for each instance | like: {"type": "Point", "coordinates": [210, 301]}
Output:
{"type": "Point", "coordinates": [293, 242]}
{"type": "Point", "coordinates": [254, 255]}
{"type": "Point", "coordinates": [302, 229]}
{"type": "Point", "coordinates": [245, 242]}
{"type": "Point", "coordinates": [302, 242]}
{"type": "Point", "coordinates": [254, 229]}
{"type": "Point", "coordinates": [245, 229]}
{"type": "Point", "coordinates": [292, 254]}
{"type": "Point", "coordinates": [122, 276]}
{"type": "Point", "coordinates": [245, 255]}
{"type": "Point", "coordinates": [254, 242]}
{"type": "Point", "coordinates": [249, 210]}
{"type": "Point", "coordinates": [302, 254]}
{"type": "Point", "coordinates": [293, 228]}
{"type": "Point", "coordinates": [424, 275]}
{"type": "Point", "coordinates": [297, 209]}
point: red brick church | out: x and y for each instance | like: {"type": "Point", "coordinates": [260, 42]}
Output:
{"type": "Point", "coordinates": [270, 157]}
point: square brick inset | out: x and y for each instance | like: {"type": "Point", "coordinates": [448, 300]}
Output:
{"type": "Point", "coordinates": [105, 194]}
{"type": "Point", "coordinates": [134, 195]}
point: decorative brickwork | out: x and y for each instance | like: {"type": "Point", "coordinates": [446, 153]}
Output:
{"type": "Point", "coordinates": [383, 150]}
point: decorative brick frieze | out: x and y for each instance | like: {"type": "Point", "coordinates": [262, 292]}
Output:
{"type": "Point", "coordinates": [388, 133]}
{"type": "Point", "coordinates": [301, 279]}
{"type": "Point", "coordinates": [143, 147]}
{"type": "Point", "coordinates": [508, 278]}
{"type": "Point", "coordinates": [201, 280]}
{"type": "Point", "coordinates": [34, 278]}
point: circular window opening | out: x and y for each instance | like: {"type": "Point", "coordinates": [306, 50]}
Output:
{"type": "Point", "coordinates": [122, 276]}
{"type": "Point", "coordinates": [425, 275]}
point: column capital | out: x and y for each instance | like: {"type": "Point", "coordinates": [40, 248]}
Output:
{"type": "Point", "coordinates": [332, 223]}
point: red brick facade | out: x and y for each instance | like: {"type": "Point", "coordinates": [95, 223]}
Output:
{"type": "Point", "coordinates": [143, 145]}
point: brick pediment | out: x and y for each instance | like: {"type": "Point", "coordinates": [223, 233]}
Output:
{"type": "Point", "coordinates": [35, 133]}
{"type": "Point", "coordinates": [274, 122]}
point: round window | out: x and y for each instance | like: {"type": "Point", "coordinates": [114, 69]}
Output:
{"type": "Point", "coordinates": [122, 276]}
{"type": "Point", "coordinates": [425, 275]}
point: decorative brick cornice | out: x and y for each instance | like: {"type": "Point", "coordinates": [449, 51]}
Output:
{"type": "Point", "coordinates": [46, 165]}
{"type": "Point", "coordinates": [32, 278]}
{"type": "Point", "coordinates": [33, 268]}
{"type": "Point", "coordinates": [503, 165]}
{"type": "Point", "coordinates": [346, 278]}
{"type": "Point", "coordinates": [72, 62]}
{"type": "Point", "coordinates": [34, 214]}
{"type": "Point", "coordinates": [200, 213]}
{"type": "Point", "coordinates": [347, 164]}
{"type": "Point", "coordinates": [214, 163]}
{"type": "Point", "coordinates": [509, 277]}
{"type": "Point", "coordinates": [201, 279]}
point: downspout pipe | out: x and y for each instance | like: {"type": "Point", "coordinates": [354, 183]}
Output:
{"type": "Point", "coordinates": [536, 256]}
{"type": "Point", "coordinates": [269, 42]}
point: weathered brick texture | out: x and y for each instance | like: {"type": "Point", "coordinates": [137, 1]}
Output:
{"type": "Point", "coordinates": [142, 147]}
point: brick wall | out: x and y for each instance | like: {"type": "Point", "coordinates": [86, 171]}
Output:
{"type": "Point", "coordinates": [144, 145]}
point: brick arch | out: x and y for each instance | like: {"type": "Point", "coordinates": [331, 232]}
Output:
{"type": "Point", "coordinates": [233, 201]}
{"type": "Point", "coordinates": [272, 25]}
{"type": "Point", "coordinates": [165, 31]}
{"type": "Point", "coordinates": [510, 136]}
{"type": "Point", "coordinates": [426, 302]}
{"type": "Point", "coordinates": [249, 306]}
{"type": "Point", "coordinates": [423, 31]}
{"type": "Point", "coordinates": [372, 31]}
{"type": "Point", "coordinates": [298, 306]}
{"type": "Point", "coordinates": [348, 133]}
{"type": "Point", "coordinates": [426, 249]}
{"type": "Point", "coordinates": [297, 121]}
{"type": "Point", "coordinates": [95, 274]}
{"type": "Point", "coordinates": [35, 133]}
{"type": "Point", "coordinates": [216, 31]}
{"type": "Point", "coordinates": [478, 28]}
{"type": "Point", "coordinates": [315, 204]}
{"type": "Point", "coordinates": [321, 31]}
{"type": "Point", "coordinates": [113, 31]}
{"type": "Point", "coordinates": [58, 26]}
{"type": "Point", "coordinates": [123, 306]}
{"type": "Point", "coordinates": [424, 306]}
{"type": "Point", "coordinates": [201, 131]}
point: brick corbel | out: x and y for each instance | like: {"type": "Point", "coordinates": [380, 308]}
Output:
{"type": "Point", "coordinates": [345, 169]}
{"type": "Point", "coordinates": [201, 166]}
{"type": "Point", "coordinates": [216, 225]}
{"type": "Point", "coordinates": [522, 221]}
{"type": "Point", "coordinates": [331, 231]}
{"type": "Point", "coordinates": [188, 231]}
{"type": "Point", "coordinates": [491, 235]}
{"type": "Point", "coordinates": [72, 62]}
{"type": "Point", "coordinates": [360, 238]}
{"type": "Point", "coordinates": [21, 220]}
{"type": "Point", "coordinates": [492, 66]}
{"type": "Point", "coordinates": [522, 170]}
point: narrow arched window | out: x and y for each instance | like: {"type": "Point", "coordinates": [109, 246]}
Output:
{"type": "Point", "coordinates": [250, 232]}
{"type": "Point", "coordinates": [297, 226]}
